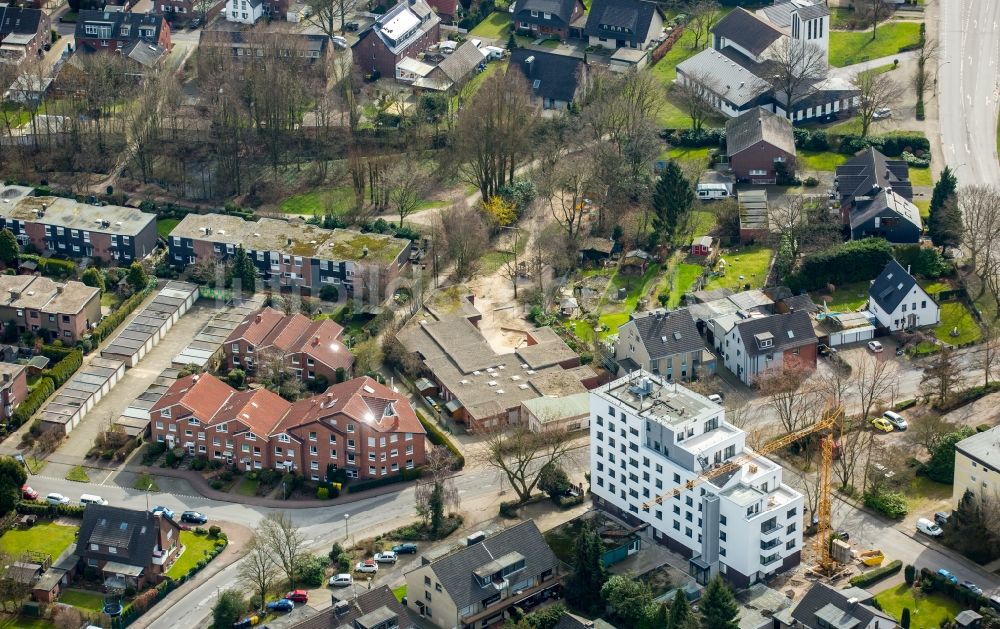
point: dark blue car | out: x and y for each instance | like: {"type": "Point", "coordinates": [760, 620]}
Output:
{"type": "Point", "coordinates": [280, 605]}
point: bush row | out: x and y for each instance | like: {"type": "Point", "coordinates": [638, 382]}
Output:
{"type": "Point", "coordinates": [113, 320]}
{"type": "Point", "coordinates": [43, 389]}
{"type": "Point", "coordinates": [890, 144]}
{"type": "Point", "coordinates": [438, 438]}
{"type": "Point", "coordinates": [696, 138]}
{"type": "Point", "coordinates": [65, 368]}
{"type": "Point", "coordinates": [45, 510]}
{"type": "Point", "coordinates": [872, 576]}
{"type": "Point", "coordinates": [891, 504]}
{"type": "Point", "coordinates": [405, 475]}
{"type": "Point", "coordinates": [933, 582]}
{"type": "Point", "coordinates": [852, 261]}
{"type": "Point", "coordinates": [52, 267]}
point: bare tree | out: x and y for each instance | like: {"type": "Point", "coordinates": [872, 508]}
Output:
{"type": "Point", "coordinates": [520, 455]}
{"type": "Point", "coordinates": [511, 266]}
{"type": "Point", "coordinates": [875, 91]}
{"type": "Point", "coordinates": [940, 376]}
{"type": "Point", "coordinates": [796, 69]}
{"type": "Point", "coordinates": [928, 429]}
{"type": "Point", "coordinates": [329, 15]}
{"type": "Point", "coordinates": [793, 406]}
{"type": "Point", "coordinates": [989, 351]}
{"type": "Point", "coordinates": [855, 441]}
{"type": "Point", "coordinates": [874, 11]}
{"type": "Point", "coordinates": [436, 493]}
{"type": "Point", "coordinates": [563, 184]}
{"type": "Point", "coordinates": [704, 14]}
{"type": "Point", "coordinates": [465, 237]}
{"type": "Point", "coordinates": [697, 93]}
{"type": "Point", "coordinates": [979, 207]}
{"type": "Point", "coordinates": [67, 617]}
{"type": "Point", "coordinates": [282, 539]}
{"type": "Point", "coordinates": [833, 385]}
{"type": "Point", "coordinates": [409, 184]}
{"type": "Point", "coordinates": [258, 571]}
{"type": "Point", "coordinates": [873, 378]}
{"type": "Point", "coordinates": [927, 52]}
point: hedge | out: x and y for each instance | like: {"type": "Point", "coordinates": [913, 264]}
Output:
{"type": "Point", "coordinates": [52, 267]}
{"type": "Point", "coordinates": [438, 438]}
{"type": "Point", "coordinates": [405, 475]}
{"type": "Point", "coordinates": [965, 597]}
{"type": "Point", "coordinates": [852, 261]}
{"type": "Point", "coordinates": [65, 368]}
{"type": "Point", "coordinates": [43, 389]}
{"type": "Point", "coordinates": [890, 144]}
{"type": "Point", "coordinates": [811, 140]}
{"type": "Point", "coordinates": [113, 320]}
{"type": "Point", "coordinates": [44, 509]}
{"type": "Point", "coordinates": [867, 578]}
{"type": "Point", "coordinates": [55, 352]}
{"type": "Point", "coordinates": [891, 504]}
{"type": "Point", "coordinates": [696, 138]}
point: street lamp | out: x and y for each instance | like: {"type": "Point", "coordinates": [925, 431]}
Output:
{"type": "Point", "coordinates": [347, 535]}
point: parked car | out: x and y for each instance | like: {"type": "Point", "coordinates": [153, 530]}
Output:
{"type": "Point", "coordinates": [194, 517]}
{"type": "Point", "coordinates": [195, 23]}
{"type": "Point", "coordinates": [927, 527]}
{"type": "Point", "coordinates": [882, 113]}
{"type": "Point", "coordinates": [882, 424]}
{"type": "Point", "coordinates": [341, 580]}
{"type": "Point", "coordinates": [352, 27]}
{"type": "Point", "coordinates": [715, 397]}
{"type": "Point", "coordinates": [895, 419]}
{"type": "Point", "coordinates": [368, 565]}
{"type": "Point", "coordinates": [280, 605]}
{"type": "Point", "coordinates": [28, 493]}
{"type": "Point", "coordinates": [972, 587]}
{"type": "Point", "coordinates": [298, 596]}
{"type": "Point", "coordinates": [339, 42]}
{"type": "Point", "coordinates": [875, 346]}
{"type": "Point", "coordinates": [947, 576]}
{"type": "Point", "coordinates": [91, 499]}
{"type": "Point", "coordinates": [405, 549]}
{"type": "Point", "coordinates": [941, 518]}
{"type": "Point", "coordinates": [385, 557]}
{"type": "Point", "coordinates": [165, 512]}
{"type": "Point", "coordinates": [56, 499]}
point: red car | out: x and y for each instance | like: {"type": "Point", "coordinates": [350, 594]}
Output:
{"type": "Point", "coordinates": [28, 493]}
{"type": "Point", "coordinates": [298, 596]}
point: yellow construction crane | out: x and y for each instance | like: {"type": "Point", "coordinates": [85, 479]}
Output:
{"type": "Point", "coordinates": [829, 419]}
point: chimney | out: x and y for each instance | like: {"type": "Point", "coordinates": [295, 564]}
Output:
{"type": "Point", "coordinates": [195, 377]}
{"type": "Point", "coordinates": [288, 241]}
{"type": "Point", "coordinates": [315, 341]}
{"type": "Point", "coordinates": [258, 319]}
{"type": "Point", "coordinates": [59, 289]}
{"type": "Point", "coordinates": [530, 63]}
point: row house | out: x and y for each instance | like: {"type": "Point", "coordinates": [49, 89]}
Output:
{"type": "Point", "coordinates": [23, 33]}
{"type": "Point", "coordinates": [310, 349]}
{"type": "Point", "coordinates": [293, 254]}
{"type": "Point", "coordinates": [119, 30]}
{"type": "Point", "coordinates": [35, 304]}
{"type": "Point", "coordinates": [67, 227]}
{"type": "Point", "coordinates": [360, 426]}
{"type": "Point", "coordinates": [13, 388]}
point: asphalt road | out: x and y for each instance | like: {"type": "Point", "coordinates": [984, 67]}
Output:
{"type": "Point", "coordinates": [967, 85]}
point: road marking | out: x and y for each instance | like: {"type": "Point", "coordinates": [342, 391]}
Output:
{"type": "Point", "coordinates": [107, 478]}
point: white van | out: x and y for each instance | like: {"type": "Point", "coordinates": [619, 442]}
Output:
{"type": "Point", "coordinates": [711, 191]}
{"type": "Point", "coordinates": [927, 527]}
{"type": "Point", "coordinates": [494, 53]}
{"type": "Point", "coordinates": [91, 499]}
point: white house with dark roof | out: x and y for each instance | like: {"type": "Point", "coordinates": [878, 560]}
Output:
{"type": "Point", "coordinates": [244, 11]}
{"type": "Point", "coordinates": [757, 345]}
{"type": "Point", "coordinates": [898, 302]}
{"type": "Point", "coordinates": [977, 466]}
{"type": "Point", "coordinates": [663, 342]}
{"type": "Point", "coordinates": [617, 24]}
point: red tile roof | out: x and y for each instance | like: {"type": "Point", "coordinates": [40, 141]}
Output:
{"type": "Point", "coordinates": [362, 399]}
{"type": "Point", "coordinates": [295, 334]}
{"type": "Point", "coordinates": [257, 326]}
{"type": "Point", "coordinates": [201, 394]}
{"type": "Point", "coordinates": [259, 410]}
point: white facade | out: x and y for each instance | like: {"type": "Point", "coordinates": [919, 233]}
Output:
{"type": "Point", "coordinates": [916, 310]}
{"type": "Point", "coordinates": [649, 437]}
{"type": "Point", "coordinates": [244, 11]}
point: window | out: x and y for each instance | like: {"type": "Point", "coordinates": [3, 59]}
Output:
{"type": "Point", "coordinates": [312, 436]}
{"type": "Point", "coordinates": [350, 428]}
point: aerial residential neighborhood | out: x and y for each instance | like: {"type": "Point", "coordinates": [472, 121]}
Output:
{"type": "Point", "coordinates": [499, 314]}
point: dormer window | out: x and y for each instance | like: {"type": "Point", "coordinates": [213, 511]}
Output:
{"type": "Point", "coordinates": [283, 438]}
{"type": "Point", "coordinates": [534, 13]}
{"type": "Point", "coordinates": [165, 412]}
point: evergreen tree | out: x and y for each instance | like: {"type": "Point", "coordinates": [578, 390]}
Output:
{"type": "Point", "coordinates": [944, 225]}
{"type": "Point", "coordinates": [94, 277]}
{"type": "Point", "coordinates": [904, 619]}
{"type": "Point", "coordinates": [672, 199]}
{"type": "Point", "coordinates": [244, 270]}
{"type": "Point", "coordinates": [137, 277]}
{"type": "Point", "coordinates": [228, 608]}
{"type": "Point", "coordinates": [718, 606]}
{"type": "Point", "coordinates": [680, 612]}
{"type": "Point", "coordinates": [584, 588]}
{"type": "Point", "coordinates": [657, 617]}
{"type": "Point", "coordinates": [8, 247]}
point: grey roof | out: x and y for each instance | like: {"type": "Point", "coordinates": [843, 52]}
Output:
{"type": "Point", "coordinates": [780, 13]}
{"type": "Point", "coordinates": [456, 570]}
{"type": "Point", "coordinates": [562, 9]}
{"type": "Point", "coordinates": [19, 20]}
{"type": "Point", "coordinates": [460, 63]}
{"type": "Point", "coordinates": [800, 302]}
{"type": "Point", "coordinates": [568, 621]}
{"type": "Point", "coordinates": [824, 606]}
{"type": "Point", "coordinates": [549, 75]}
{"type": "Point", "coordinates": [758, 125]}
{"type": "Point", "coordinates": [983, 446]}
{"type": "Point", "coordinates": [634, 16]}
{"type": "Point", "coordinates": [379, 601]}
{"type": "Point", "coordinates": [147, 55]}
{"type": "Point", "coordinates": [117, 19]}
{"type": "Point", "coordinates": [866, 208]}
{"type": "Point", "coordinates": [785, 331]}
{"type": "Point", "coordinates": [891, 286]}
{"type": "Point", "coordinates": [403, 13]}
{"type": "Point", "coordinates": [729, 79]}
{"type": "Point", "coordinates": [132, 532]}
{"type": "Point", "coordinates": [967, 617]}
{"type": "Point", "coordinates": [666, 333]}
{"type": "Point", "coordinates": [860, 175]}
{"type": "Point", "coordinates": [747, 30]}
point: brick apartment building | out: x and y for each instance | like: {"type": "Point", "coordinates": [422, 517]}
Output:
{"type": "Point", "coordinates": [292, 254]}
{"type": "Point", "coordinates": [359, 425]}
{"type": "Point", "coordinates": [118, 30]}
{"type": "Point", "coordinates": [23, 32]}
{"type": "Point", "coordinates": [310, 349]}
{"type": "Point", "coordinates": [13, 388]}
{"type": "Point", "coordinates": [78, 230]}
{"type": "Point", "coordinates": [34, 304]}
{"type": "Point", "coordinates": [406, 30]}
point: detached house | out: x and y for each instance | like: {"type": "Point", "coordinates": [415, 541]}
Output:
{"type": "Point", "coordinates": [898, 302]}
{"type": "Point", "coordinates": [360, 426]}
{"type": "Point", "coordinates": [477, 586]}
{"type": "Point", "coordinates": [555, 80]}
{"type": "Point", "coordinates": [760, 146]}
{"type": "Point", "coordinates": [310, 349]}
{"type": "Point", "coordinates": [129, 548]}
{"type": "Point", "coordinates": [406, 30]}
{"type": "Point", "coordinates": [876, 198]}
{"type": "Point", "coordinates": [118, 31]}
{"type": "Point", "coordinates": [757, 345]}
{"type": "Point", "coordinates": [662, 342]}
{"type": "Point", "coordinates": [617, 24]}
{"type": "Point", "coordinates": [23, 32]}
{"type": "Point", "coordinates": [542, 18]}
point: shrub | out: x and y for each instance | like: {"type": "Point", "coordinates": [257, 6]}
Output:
{"type": "Point", "coordinates": [890, 144]}
{"type": "Point", "coordinates": [113, 320]}
{"type": "Point", "coordinates": [872, 576]}
{"type": "Point", "coordinates": [438, 438]}
{"type": "Point", "coordinates": [213, 531]}
{"type": "Point", "coordinates": [698, 138]}
{"type": "Point", "coordinates": [322, 493]}
{"type": "Point", "coordinates": [199, 463]}
{"type": "Point", "coordinates": [34, 400]}
{"type": "Point", "coordinates": [889, 503]}
{"type": "Point", "coordinates": [565, 502]}
{"type": "Point", "coordinates": [914, 161]}
{"type": "Point", "coordinates": [920, 109]}
{"type": "Point", "coordinates": [810, 182]}
{"type": "Point", "coordinates": [362, 485]}
{"type": "Point", "coordinates": [811, 140]}
{"type": "Point", "coordinates": [852, 261]}
{"type": "Point", "coordinates": [905, 404]}
{"type": "Point", "coordinates": [909, 574]}
{"type": "Point", "coordinates": [508, 509]}
{"type": "Point", "coordinates": [216, 485]}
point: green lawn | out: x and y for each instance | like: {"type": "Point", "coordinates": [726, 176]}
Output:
{"type": "Point", "coordinates": [110, 299]}
{"type": "Point", "coordinates": [820, 160]}
{"type": "Point", "coordinates": [195, 549]}
{"type": "Point", "coordinates": [247, 487]}
{"type": "Point", "coordinates": [702, 222]}
{"type": "Point", "coordinates": [666, 68]}
{"type": "Point", "coordinates": [921, 177]}
{"type": "Point", "coordinates": [616, 313]}
{"type": "Point", "coordinates": [496, 26]}
{"type": "Point", "coordinates": [399, 592]}
{"type": "Point", "coordinates": [581, 329]}
{"type": "Point", "coordinates": [145, 482]}
{"type": "Point", "coordinates": [924, 205]}
{"type": "Point", "coordinates": [933, 287]}
{"type": "Point", "coordinates": [13, 114]}
{"type": "Point", "coordinates": [87, 601]}
{"type": "Point", "coordinates": [36, 465]}
{"type": "Point", "coordinates": [24, 622]}
{"type": "Point", "coordinates": [687, 154]}
{"type": "Point", "coordinates": [955, 314]}
{"type": "Point", "coordinates": [927, 611]}
{"type": "Point", "coordinates": [850, 47]}
{"type": "Point", "coordinates": [923, 493]}
{"type": "Point", "coordinates": [78, 474]}
{"type": "Point", "coordinates": [47, 538]}
{"type": "Point", "coordinates": [846, 298]}
{"type": "Point", "coordinates": [750, 262]}
{"type": "Point", "coordinates": [672, 116]}
{"type": "Point", "coordinates": [683, 281]}
{"type": "Point", "coordinates": [165, 225]}
{"type": "Point", "coordinates": [335, 200]}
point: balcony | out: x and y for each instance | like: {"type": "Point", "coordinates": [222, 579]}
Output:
{"type": "Point", "coordinates": [771, 544]}
{"type": "Point", "coordinates": [769, 527]}
{"type": "Point", "coordinates": [509, 601]}
{"type": "Point", "coordinates": [770, 559]}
